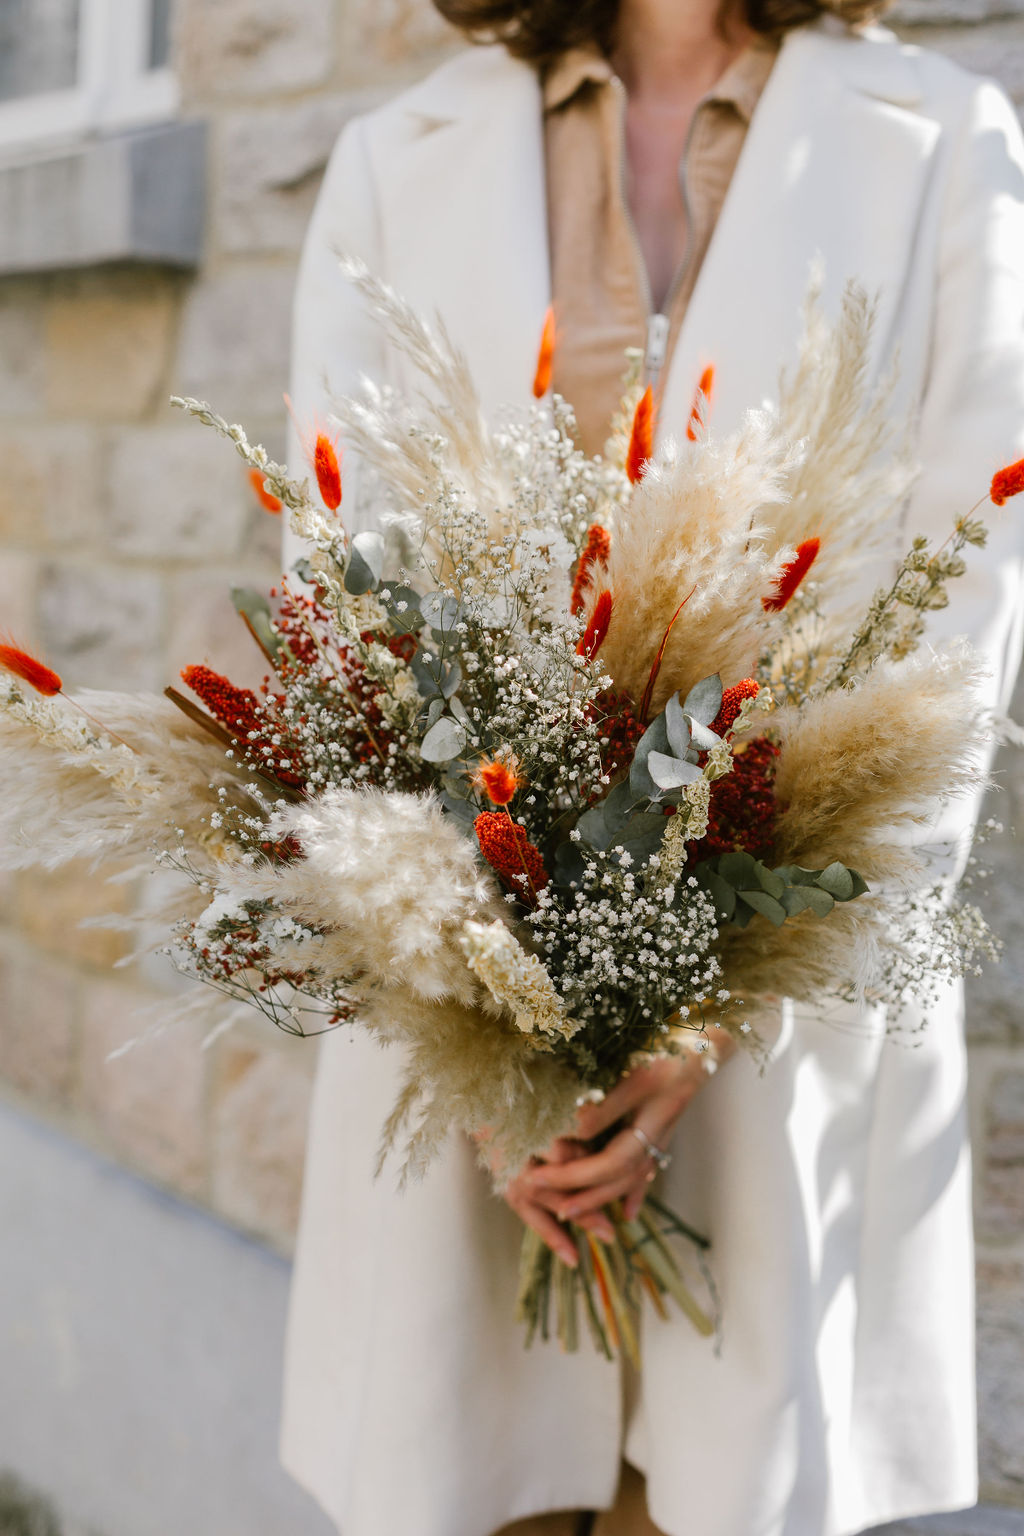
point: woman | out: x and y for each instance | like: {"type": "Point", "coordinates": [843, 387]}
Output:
{"type": "Point", "coordinates": [836, 1185]}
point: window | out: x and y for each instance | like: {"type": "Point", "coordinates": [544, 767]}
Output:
{"type": "Point", "coordinates": [73, 67]}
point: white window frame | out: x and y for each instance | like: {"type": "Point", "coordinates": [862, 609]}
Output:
{"type": "Point", "coordinates": [115, 87]}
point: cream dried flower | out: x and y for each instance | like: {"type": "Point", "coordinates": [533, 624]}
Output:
{"type": "Point", "coordinates": [516, 979]}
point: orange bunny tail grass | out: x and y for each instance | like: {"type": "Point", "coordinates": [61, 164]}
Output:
{"type": "Point", "coordinates": [35, 673]}
{"type": "Point", "coordinates": [1007, 482]}
{"type": "Point", "coordinates": [792, 575]}
{"type": "Point", "coordinates": [499, 780]}
{"type": "Point", "coordinates": [545, 357]}
{"type": "Point", "coordinates": [701, 404]}
{"type": "Point", "coordinates": [641, 438]}
{"type": "Point", "coordinates": [732, 702]}
{"type": "Point", "coordinates": [595, 552]}
{"type": "Point", "coordinates": [509, 852]}
{"type": "Point", "coordinates": [327, 469]}
{"type": "Point", "coordinates": [267, 502]}
{"type": "Point", "coordinates": [593, 636]}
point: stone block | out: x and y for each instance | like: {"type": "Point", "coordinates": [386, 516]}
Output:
{"type": "Point", "coordinates": [102, 628]}
{"type": "Point", "coordinates": [51, 906]}
{"type": "Point", "coordinates": [236, 340]}
{"type": "Point", "coordinates": [985, 1520]}
{"type": "Point", "coordinates": [18, 594]}
{"type": "Point", "coordinates": [175, 493]}
{"type": "Point", "coordinates": [108, 344]}
{"type": "Point", "coordinates": [995, 49]}
{"type": "Point", "coordinates": [252, 47]}
{"type": "Point", "coordinates": [206, 629]}
{"type": "Point", "coordinates": [1001, 1379]}
{"type": "Point", "coordinates": [1001, 1215]}
{"type": "Point", "coordinates": [149, 1103]}
{"type": "Point", "coordinates": [23, 375]}
{"type": "Point", "coordinates": [37, 1026]}
{"type": "Point", "coordinates": [269, 164]}
{"type": "Point", "coordinates": [397, 30]}
{"type": "Point", "coordinates": [260, 1115]}
{"type": "Point", "coordinates": [49, 488]}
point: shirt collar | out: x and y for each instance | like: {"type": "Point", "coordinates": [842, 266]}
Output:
{"type": "Point", "coordinates": [740, 86]}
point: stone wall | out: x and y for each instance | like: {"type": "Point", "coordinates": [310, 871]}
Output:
{"type": "Point", "coordinates": [121, 529]}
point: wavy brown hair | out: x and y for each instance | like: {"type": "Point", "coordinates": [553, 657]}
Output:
{"type": "Point", "coordinates": [539, 30]}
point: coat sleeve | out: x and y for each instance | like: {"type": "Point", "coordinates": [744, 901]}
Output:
{"type": "Point", "coordinates": [335, 341]}
{"type": "Point", "coordinates": [972, 415]}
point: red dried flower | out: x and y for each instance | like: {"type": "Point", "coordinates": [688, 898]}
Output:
{"type": "Point", "coordinates": [241, 712]}
{"type": "Point", "coordinates": [593, 636]}
{"type": "Point", "coordinates": [595, 552]}
{"type": "Point", "coordinates": [328, 471]}
{"type": "Point", "coordinates": [743, 809]}
{"type": "Point", "coordinates": [618, 722]}
{"type": "Point", "coordinates": [545, 357]}
{"type": "Point", "coordinates": [505, 846]}
{"type": "Point", "coordinates": [732, 702]}
{"type": "Point", "coordinates": [701, 403]}
{"type": "Point", "coordinates": [1007, 482]}
{"type": "Point", "coordinates": [498, 779]}
{"type": "Point", "coordinates": [267, 502]}
{"type": "Point", "coordinates": [36, 673]}
{"type": "Point", "coordinates": [641, 438]}
{"type": "Point", "coordinates": [791, 576]}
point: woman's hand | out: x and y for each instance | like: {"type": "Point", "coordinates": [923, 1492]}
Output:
{"type": "Point", "coordinates": [573, 1185]}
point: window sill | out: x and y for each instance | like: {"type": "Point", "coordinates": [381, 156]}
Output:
{"type": "Point", "coordinates": [136, 197]}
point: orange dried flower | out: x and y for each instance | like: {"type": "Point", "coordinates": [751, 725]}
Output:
{"type": "Point", "coordinates": [509, 852]}
{"type": "Point", "coordinates": [593, 636]}
{"type": "Point", "coordinates": [545, 357]}
{"type": "Point", "coordinates": [792, 575]}
{"type": "Point", "coordinates": [267, 502]}
{"type": "Point", "coordinates": [36, 673]}
{"type": "Point", "coordinates": [328, 471]}
{"type": "Point", "coordinates": [701, 403]}
{"type": "Point", "coordinates": [732, 703]}
{"type": "Point", "coordinates": [498, 779]}
{"type": "Point", "coordinates": [641, 438]}
{"type": "Point", "coordinates": [1007, 482]}
{"type": "Point", "coordinates": [595, 552]}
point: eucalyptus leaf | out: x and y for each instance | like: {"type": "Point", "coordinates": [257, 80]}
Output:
{"type": "Point", "coordinates": [838, 881]}
{"type": "Point", "coordinates": [410, 618]}
{"type": "Point", "coordinates": [451, 679]}
{"type": "Point", "coordinates": [568, 863]}
{"type": "Point", "coordinates": [770, 881]}
{"type": "Point", "coordinates": [365, 563]}
{"type": "Point", "coordinates": [458, 709]}
{"type": "Point", "coordinates": [643, 835]}
{"type": "Point", "coordinates": [721, 892]}
{"type": "Point", "coordinates": [677, 726]}
{"type": "Point", "coordinates": [425, 669]}
{"type": "Point", "coordinates": [703, 738]}
{"type": "Point", "coordinates": [441, 611]}
{"type": "Point", "coordinates": [654, 739]}
{"type": "Point", "coordinates": [740, 869]}
{"type": "Point", "coordinates": [806, 898]}
{"type": "Point", "coordinates": [434, 711]}
{"type": "Point", "coordinates": [603, 821]}
{"type": "Point", "coordinates": [704, 699]}
{"type": "Point", "coordinates": [254, 607]}
{"type": "Point", "coordinates": [461, 811]}
{"type": "Point", "coordinates": [443, 741]}
{"type": "Point", "coordinates": [303, 569]}
{"type": "Point", "coordinates": [768, 907]}
{"type": "Point", "coordinates": [671, 772]}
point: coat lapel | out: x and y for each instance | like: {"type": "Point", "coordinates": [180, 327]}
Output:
{"type": "Point", "coordinates": [479, 258]}
{"type": "Point", "coordinates": [834, 115]}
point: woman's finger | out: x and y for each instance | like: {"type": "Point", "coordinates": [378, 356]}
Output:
{"type": "Point", "coordinates": [587, 1202]}
{"type": "Point", "coordinates": [592, 1119]}
{"type": "Point", "coordinates": [620, 1157]}
{"type": "Point", "coordinates": [546, 1227]}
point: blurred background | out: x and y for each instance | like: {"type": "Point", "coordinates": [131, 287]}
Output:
{"type": "Point", "coordinates": [158, 163]}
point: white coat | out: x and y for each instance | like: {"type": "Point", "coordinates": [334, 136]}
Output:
{"type": "Point", "coordinates": [835, 1187]}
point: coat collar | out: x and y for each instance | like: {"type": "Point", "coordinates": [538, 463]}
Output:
{"type": "Point", "coordinates": [835, 165]}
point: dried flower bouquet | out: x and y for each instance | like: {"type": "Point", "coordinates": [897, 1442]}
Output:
{"type": "Point", "coordinates": [494, 803]}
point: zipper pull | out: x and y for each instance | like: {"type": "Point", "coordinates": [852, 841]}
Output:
{"type": "Point", "coordinates": [657, 344]}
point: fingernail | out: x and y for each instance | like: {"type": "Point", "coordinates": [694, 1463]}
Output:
{"type": "Point", "coordinates": [572, 1259]}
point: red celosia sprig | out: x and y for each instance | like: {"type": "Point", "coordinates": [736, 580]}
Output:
{"type": "Point", "coordinates": [792, 575]}
{"type": "Point", "coordinates": [732, 703]}
{"type": "Point", "coordinates": [641, 437]}
{"type": "Point", "coordinates": [743, 809]}
{"type": "Point", "coordinates": [595, 552]}
{"type": "Point", "coordinates": [31, 671]}
{"type": "Point", "coordinates": [509, 852]}
{"type": "Point", "coordinates": [618, 726]}
{"type": "Point", "coordinates": [268, 502]}
{"type": "Point", "coordinates": [1007, 482]}
{"type": "Point", "coordinates": [240, 711]}
{"type": "Point", "coordinates": [545, 356]}
{"type": "Point", "coordinates": [701, 404]}
{"type": "Point", "coordinates": [593, 636]}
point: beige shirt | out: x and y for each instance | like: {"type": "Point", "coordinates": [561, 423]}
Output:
{"type": "Point", "coordinates": [600, 287]}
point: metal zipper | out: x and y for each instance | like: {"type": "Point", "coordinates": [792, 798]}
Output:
{"type": "Point", "coordinates": [658, 321]}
